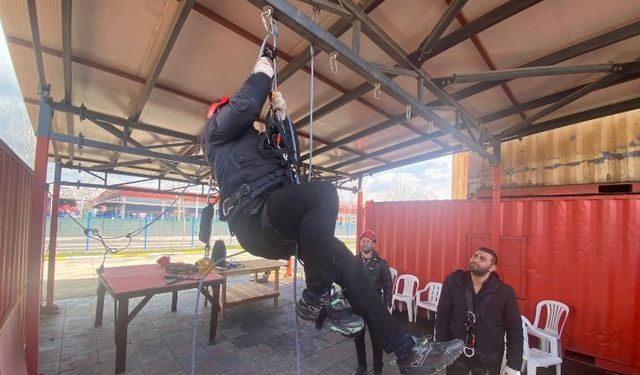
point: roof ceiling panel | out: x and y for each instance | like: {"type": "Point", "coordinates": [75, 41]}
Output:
{"type": "Point", "coordinates": [347, 120]}
{"type": "Point", "coordinates": [407, 152]}
{"type": "Point", "coordinates": [116, 42]}
{"type": "Point", "coordinates": [500, 125]}
{"type": "Point", "coordinates": [173, 112]}
{"type": "Point", "coordinates": [207, 60]}
{"type": "Point", "coordinates": [526, 89]}
{"type": "Point", "coordinates": [124, 36]}
{"type": "Point", "coordinates": [101, 91]}
{"type": "Point", "coordinates": [361, 166]}
{"type": "Point", "coordinates": [408, 22]}
{"type": "Point", "coordinates": [247, 17]}
{"type": "Point", "coordinates": [552, 25]}
{"type": "Point", "coordinates": [599, 98]}
{"type": "Point", "coordinates": [475, 8]}
{"type": "Point", "coordinates": [297, 93]}
{"type": "Point", "coordinates": [380, 140]}
{"type": "Point", "coordinates": [490, 100]}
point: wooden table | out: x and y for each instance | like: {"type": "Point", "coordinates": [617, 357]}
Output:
{"type": "Point", "coordinates": [147, 280]}
{"type": "Point", "coordinates": [238, 294]}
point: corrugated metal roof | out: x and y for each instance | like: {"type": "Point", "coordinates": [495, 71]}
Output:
{"type": "Point", "coordinates": [115, 43]}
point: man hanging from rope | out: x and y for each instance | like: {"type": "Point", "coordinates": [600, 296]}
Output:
{"type": "Point", "coordinates": [270, 214]}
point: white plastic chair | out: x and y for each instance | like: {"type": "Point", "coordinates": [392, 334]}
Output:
{"type": "Point", "coordinates": [535, 357]}
{"type": "Point", "coordinates": [557, 314]}
{"type": "Point", "coordinates": [432, 291]}
{"type": "Point", "coordinates": [394, 276]}
{"type": "Point", "coordinates": [407, 295]}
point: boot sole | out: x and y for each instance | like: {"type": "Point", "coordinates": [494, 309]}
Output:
{"type": "Point", "coordinates": [434, 370]}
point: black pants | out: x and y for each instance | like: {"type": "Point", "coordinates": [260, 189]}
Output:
{"type": "Point", "coordinates": [463, 365]}
{"type": "Point", "coordinates": [306, 214]}
{"type": "Point", "coordinates": [376, 345]}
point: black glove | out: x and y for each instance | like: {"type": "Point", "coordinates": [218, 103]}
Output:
{"type": "Point", "coordinates": [269, 53]}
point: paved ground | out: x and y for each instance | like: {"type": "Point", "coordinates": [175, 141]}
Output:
{"type": "Point", "coordinates": [254, 339]}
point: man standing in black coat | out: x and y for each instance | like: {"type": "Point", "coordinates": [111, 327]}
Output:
{"type": "Point", "coordinates": [479, 308]}
{"type": "Point", "coordinates": [270, 215]}
{"type": "Point", "coordinates": [376, 269]}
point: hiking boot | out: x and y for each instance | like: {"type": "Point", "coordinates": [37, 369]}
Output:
{"type": "Point", "coordinates": [430, 357]}
{"type": "Point", "coordinates": [360, 370]}
{"type": "Point", "coordinates": [333, 307]}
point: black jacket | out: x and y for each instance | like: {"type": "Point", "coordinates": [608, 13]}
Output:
{"type": "Point", "coordinates": [377, 271]}
{"type": "Point", "coordinates": [497, 313]}
{"type": "Point", "coordinates": [236, 151]}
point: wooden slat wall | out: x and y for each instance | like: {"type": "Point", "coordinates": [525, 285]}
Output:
{"type": "Point", "coordinates": [605, 150]}
{"type": "Point", "coordinates": [460, 175]}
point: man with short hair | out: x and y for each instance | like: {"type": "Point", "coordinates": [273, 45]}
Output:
{"type": "Point", "coordinates": [479, 308]}
{"type": "Point", "coordinates": [376, 270]}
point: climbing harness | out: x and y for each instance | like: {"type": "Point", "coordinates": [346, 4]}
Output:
{"type": "Point", "coordinates": [470, 336]}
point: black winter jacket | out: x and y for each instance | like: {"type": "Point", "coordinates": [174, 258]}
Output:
{"type": "Point", "coordinates": [235, 150]}
{"type": "Point", "coordinates": [497, 313]}
{"type": "Point", "coordinates": [377, 271]}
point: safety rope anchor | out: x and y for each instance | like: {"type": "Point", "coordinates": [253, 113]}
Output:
{"type": "Point", "coordinates": [376, 91]}
{"type": "Point", "coordinates": [333, 62]}
{"type": "Point", "coordinates": [267, 20]}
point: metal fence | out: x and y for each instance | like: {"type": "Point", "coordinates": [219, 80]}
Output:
{"type": "Point", "coordinates": [162, 234]}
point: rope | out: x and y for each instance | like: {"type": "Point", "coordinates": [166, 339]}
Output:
{"type": "Point", "coordinates": [194, 321]}
{"type": "Point", "coordinates": [94, 234]}
{"type": "Point", "coordinates": [312, 55]}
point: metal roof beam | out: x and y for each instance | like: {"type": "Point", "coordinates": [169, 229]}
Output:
{"type": "Point", "coordinates": [125, 173]}
{"type": "Point", "coordinates": [329, 7]}
{"type": "Point", "coordinates": [85, 142]}
{"type": "Point", "coordinates": [412, 160]}
{"type": "Point", "coordinates": [396, 147]}
{"type": "Point", "coordinates": [593, 86]}
{"type": "Point", "coordinates": [130, 188]}
{"type": "Point", "coordinates": [145, 93]}
{"type": "Point", "coordinates": [354, 137]}
{"type": "Point", "coordinates": [535, 71]}
{"type": "Point", "coordinates": [122, 164]}
{"type": "Point", "coordinates": [485, 21]}
{"type": "Point", "coordinates": [37, 47]}
{"type": "Point", "coordinates": [547, 99]}
{"type": "Point", "coordinates": [83, 112]}
{"type": "Point", "coordinates": [577, 49]}
{"type": "Point", "coordinates": [66, 67]}
{"type": "Point", "coordinates": [575, 118]}
{"type": "Point", "coordinates": [449, 15]}
{"type": "Point", "coordinates": [298, 22]}
{"type": "Point", "coordinates": [337, 29]}
{"type": "Point", "coordinates": [128, 139]}
{"type": "Point", "coordinates": [481, 23]}
{"type": "Point", "coordinates": [384, 41]}
{"type": "Point", "coordinates": [167, 145]}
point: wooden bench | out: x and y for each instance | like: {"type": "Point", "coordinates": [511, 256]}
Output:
{"type": "Point", "coordinates": [247, 292]}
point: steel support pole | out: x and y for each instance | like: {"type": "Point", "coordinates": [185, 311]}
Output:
{"type": "Point", "coordinates": [51, 307]}
{"type": "Point", "coordinates": [359, 213]}
{"type": "Point", "coordinates": [495, 202]}
{"type": "Point", "coordinates": [36, 235]}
